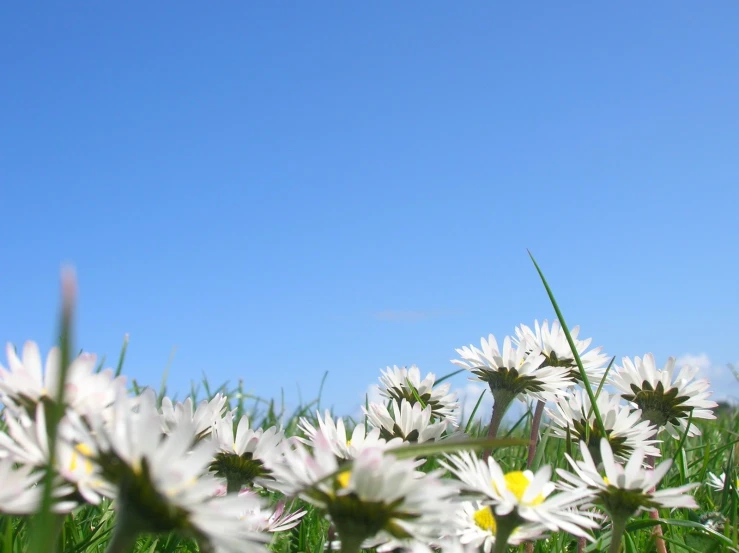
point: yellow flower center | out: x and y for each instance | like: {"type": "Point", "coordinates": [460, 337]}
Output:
{"type": "Point", "coordinates": [81, 450]}
{"type": "Point", "coordinates": [518, 482]}
{"type": "Point", "coordinates": [605, 479]}
{"type": "Point", "coordinates": [484, 519]}
{"type": "Point", "coordinates": [343, 478]}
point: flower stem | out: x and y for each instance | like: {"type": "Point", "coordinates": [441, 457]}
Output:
{"type": "Point", "coordinates": [659, 543]}
{"type": "Point", "coordinates": [350, 544]}
{"type": "Point", "coordinates": [501, 401]}
{"type": "Point", "coordinates": [123, 539]}
{"type": "Point", "coordinates": [617, 534]}
{"type": "Point", "coordinates": [535, 432]}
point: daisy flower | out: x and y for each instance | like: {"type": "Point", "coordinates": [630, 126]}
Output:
{"type": "Point", "coordinates": [19, 492]}
{"type": "Point", "coordinates": [665, 397]}
{"type": "Point", "coordinates": [28, 444]}
{"type": "Point", "coordinates": [557, 352]}
{"type": "Point", "coordinates": [624, 427]}
{"type": "Point", "coordinates": [274, 520]}
{"type": "Point", "coordinates": [162, 481]}
{"type": "Point", "coordinates": [378, 499]}
{"type": "Point", "coordinates": [625, 490]}
{"type": "Point", "coordinates": [402, 383]}
{"type": "Point", "coordinates": [520, 497]}
{"type": "Point", "coordinates": [28, 381]}
{"type": "Point", "coordinates": [512, 373]}
{"type": "Point", "coordinates": [204, 417]}
{"type": "Point", "coordinates": [718, 483]}
{"type": "Point", "coordinates": [239, 458]}
{"type": "Point", "coordinates": [476, 527]}
{"type": "Point", "coordinates": [336, 435]}
{"type": "Point", "coordinates": [409, 422]}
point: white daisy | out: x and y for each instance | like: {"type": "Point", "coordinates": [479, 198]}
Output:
{"type": "Point", "coordinates": [207, 414]}
{"type": "Point", "coordinates": [27, 381]}
{"type": "Point", "coordinates": [402, 383]}
{"type": "Point", "coordinates": [626, 489]}
{"type": "Point", "coordinates": [521, 497]}
{"type": "Point", "coordinates": [162, 481]}
{"type": "Point", "coordinates": [625, 429]}
{"type": "Point", "coordinates": [557, 352]}
{"type": "Point", "coordinates": [239, 458]}
{"type": "Point", "coordinates": [379, 499]}
{"type": "Point", "coordinates": [513, 372]}
{"type": "Point", "coordinates": [19, 492]}
{"type": "Point", "coordinates": [28, 443]}
{"type": "Point", "coordinates": [409, 422]}
{"type": "Point", "coordinates": [274, 520]}
{"type": "Point", "coordinates": [718, 483]}
{"type": "Point", "coordinates": [477, 527]}
{"type": "Point", "coordinates": [665, 397]}
{"type": "Point", "coordinates": [336, 434]}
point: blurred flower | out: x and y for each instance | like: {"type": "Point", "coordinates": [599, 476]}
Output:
{"type": "Point", "coordinates": [207, 414]}
{"type": "Point", "coordinates": [28, 444]}
{"type": "Point", "coordinates": [378, 499]}
{"type": "Point", "coordinates": [162, 481]}
{"type": "Point", "coordinates": [27, 381]}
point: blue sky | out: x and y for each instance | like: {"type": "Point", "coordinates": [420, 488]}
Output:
{"type": "Point", "coordinates": [283, 189]}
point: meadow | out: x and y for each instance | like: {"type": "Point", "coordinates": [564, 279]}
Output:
{"type": "Point", "coordinates": [609, 455]}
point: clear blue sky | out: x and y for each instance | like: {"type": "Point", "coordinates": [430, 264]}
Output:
{"type": "Point", "coordinates": [282, 189]}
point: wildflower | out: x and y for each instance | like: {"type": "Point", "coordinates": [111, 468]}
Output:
{"type": "Point", "coordinates": [239, 458]}
{"type": "Point", "coordinates": [573, 416]}
{"type": "Point", "coordinates": [274, 520]}
{"type": "Point", "coordinates": [410, 423]}
{"type": "Point", "coordinates": [402, 383]}
{"type": "Point", "coordinates": [718, 483]}
{"type": "Point", "coordinates": [557, 351]}
{"type": "Point", "coordinates": [19, 492]}
{"type": "Point", "coordinates": [379, 499]}
{"type": "Point", "coordinates": [28, 443]}
{"type": "Point", "coordinates": [519, 498]}
{"type": "Point", "coordinates": [625, 490]}
{"type": "Point", "coordinates": [162, 481]}
{"type": "Point", "coordinates": [518, 372]}
{"type": "Point", "coordinates": [666, 399]}
{"type": "Point", "coordinates": [336, 435]}
{"type": "Point", "coordinates": [27, 381]}
{"type": "Point", "coordinates": [477, 527]}
{"type": "Point", "coordinates": [204, 417]}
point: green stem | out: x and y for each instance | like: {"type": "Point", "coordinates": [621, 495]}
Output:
{"type": "Point", "coordinates": [619, 527]}
{"type": "Point", "coordinates": [123, 540]}
{"type": "Point", "coordinates": [502, 400]}
{"type": "Point", "coordinates": [350, 544]}
{"type": "Point", "coordinates": [502, 534]}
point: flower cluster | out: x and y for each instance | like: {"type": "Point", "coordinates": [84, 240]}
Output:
{"type": "Point", "coordinates": [208, 472]}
